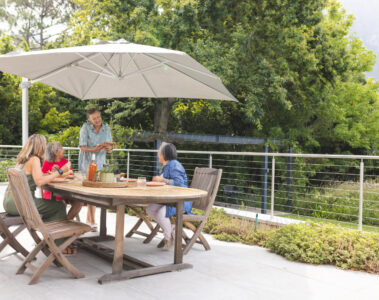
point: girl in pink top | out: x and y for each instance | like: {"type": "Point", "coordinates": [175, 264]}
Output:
{"type": "Point", "coordinates": [53, 161]}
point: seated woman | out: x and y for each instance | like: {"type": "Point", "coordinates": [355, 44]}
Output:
{"type": "Point", "coordinates": [172, 173]}
{"type": "Point", "coordinates": [54, 160]}
{"type": "Point", "coordinates": [30, 159]}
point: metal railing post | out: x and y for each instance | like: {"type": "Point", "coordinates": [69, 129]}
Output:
{"type": "Point", "coordinates": [210, 161]}
{"type": "Point", "coordinates": [360, 212]}
{"type": "Point", "coordinates": [264, 181]}
{"type": "Point", "coordinates": [127, 165]}
{"type": "Point", "coordinates": [158, 143]}
{"type": "Point", "coordinates": [289, 182]}
{"type": "Point", "coordinates": [69, 155]}
{"type": "Point", "coordinates": [272, 186]}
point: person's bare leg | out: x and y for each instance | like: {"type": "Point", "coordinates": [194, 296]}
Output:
{"type": "Point", "coordinates": [76, 206]}
{"type": "Point", "coordinates": [91, 215]}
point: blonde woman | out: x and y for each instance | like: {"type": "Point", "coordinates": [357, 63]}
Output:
{"type": "Point", "coordinates": [54, 159]}
{"type": "Point", "coordinates": [30, 160]}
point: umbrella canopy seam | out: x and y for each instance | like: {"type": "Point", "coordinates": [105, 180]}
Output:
{"type": "Point", "coordinates": [203, 83]}
{"type": "Point", "coordinates": [144, 78]}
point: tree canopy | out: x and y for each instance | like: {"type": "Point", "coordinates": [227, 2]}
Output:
{"type": "Point", "coordinates": [296, 72]}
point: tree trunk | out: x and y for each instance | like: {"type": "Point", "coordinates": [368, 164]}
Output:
{"type": "Point", "coordinates": [162, 114]}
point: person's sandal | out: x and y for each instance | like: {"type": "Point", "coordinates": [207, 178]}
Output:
{"type": "Point", "coordinates": [93, 227]}
{"type": "Point", "coordinates": [69, 251]}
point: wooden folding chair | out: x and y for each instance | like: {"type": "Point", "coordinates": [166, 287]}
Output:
{"type": "Point", "coordinates": [9, 238]}
{"type": "Point", "coordinates": [207, 179]}
{"type": "Point", "coordinates": [50, 231]}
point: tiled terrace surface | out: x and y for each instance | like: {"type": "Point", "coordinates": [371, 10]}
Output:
{"type": "Point", "coordinates": [228, 271]}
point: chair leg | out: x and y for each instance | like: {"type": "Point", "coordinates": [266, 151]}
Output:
{"type": "Point", "coordinates": [37, 274]}
{"type": "Point", "coordinates": [152, 234]}
{"type": "Point", "coordinates": [134, 229]}
{"type": "Point", "coordinates": [142, 218]}
{"type": "Point", "coordinates": [45, 250]}
{"type": "Point", "coordinates": [56, 253]}
{"type": "Point", "coordinates": [161, 244]}
{"type": "Point", "coordinates": [30, 257]}
{"type": "Point", "coordinates": [64, 261]}
{"type": "Point", "coordinates": [204, 242]}
{"type": "Point", "coordinates": [10, 239]}
{"type": "Point", "coordinates": [196, 234]}
{"type": "Point", "coordinates": [14, 243]}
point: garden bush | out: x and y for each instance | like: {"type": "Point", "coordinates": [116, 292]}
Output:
{"type": "Point", "coordinates": [327, 244]}
{"type": "Point", "coordinates": [315, 243]}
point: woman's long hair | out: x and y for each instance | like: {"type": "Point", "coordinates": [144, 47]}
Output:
{"type": "Point", "coordinates": [35, 146]}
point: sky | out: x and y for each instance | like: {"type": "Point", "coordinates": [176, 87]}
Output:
{"type": "Point", "coordinates": [366, 25]}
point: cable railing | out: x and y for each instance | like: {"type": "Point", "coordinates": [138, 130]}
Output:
{"type": "Point", "coordinates": [335, 188]}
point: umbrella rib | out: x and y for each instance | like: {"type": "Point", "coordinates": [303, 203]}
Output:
{"type": "Point", "coordinates": [186, 67]}
{"type": "Point", "coordinates": [144, 78]}
{"type": "Point", "coordinates": [127, 65]}
{"type": "Point", "coordinates": [56, 71]}
{"type": "Point", "coordinates": [97, 65]}
{"type": "Point", "coordinates": [114, 71]}
{"type": "Point", "coordinates": [97, 77]}
{"type": "Point", "coordinates": [203, 83]}
{"type": "Point", "coordinates": [93, 71]}
{"type": "Point", "coordinates": [120, 64]}
{"type": "Point", "coordinates": [143, 70]}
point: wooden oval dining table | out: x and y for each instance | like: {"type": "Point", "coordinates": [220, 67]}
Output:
{"type": "Point", "coordinates": [118, 199]}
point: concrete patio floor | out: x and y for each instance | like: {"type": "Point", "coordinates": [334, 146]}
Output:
{"type": "Point", "coordinates": [228, 271]}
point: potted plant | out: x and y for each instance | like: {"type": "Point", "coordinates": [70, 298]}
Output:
{"type": "Point", "coordinates": [106, 174]}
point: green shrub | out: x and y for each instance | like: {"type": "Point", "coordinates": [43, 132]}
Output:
{"type": "Point", "coordinates": [306, 242]}
{"type": "Point", "coordinates": [327, 244]}
{"type": "Point", "coordinates": [4, 164]}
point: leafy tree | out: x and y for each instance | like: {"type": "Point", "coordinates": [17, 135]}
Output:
{"type": "Point", "coordinates": [36, 21]}
{"type": "Point", "coordinates": [292, 66]}
{"type": "Point", "coordinates": [54, 121]}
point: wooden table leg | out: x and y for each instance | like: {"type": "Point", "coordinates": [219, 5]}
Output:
{"type": "Point", "coordinates": [103, 223]}
{"type": "Point", "coordinates": [119, 241]}
{"type": "Point", "coordinates": [178, 252]}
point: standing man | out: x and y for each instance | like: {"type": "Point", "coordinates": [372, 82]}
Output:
{"type": "Point", "coordinates": [92, 134]}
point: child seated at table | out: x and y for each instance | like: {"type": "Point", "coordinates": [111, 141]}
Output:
{"type": "Point", "coordinates": [172, 173]}
{"type": "Point", "coordinates": [54, 160]}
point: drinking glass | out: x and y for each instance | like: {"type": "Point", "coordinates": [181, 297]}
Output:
{"type": "Point", "coordinates": [79, 176]}
{"type": "Point", "coordinates": [141, 182]}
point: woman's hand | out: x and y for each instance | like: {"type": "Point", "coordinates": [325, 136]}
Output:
{"type": "Point", "coordinates": [66, 167]}
{"type": "Point", "coordinates": [158, 178]}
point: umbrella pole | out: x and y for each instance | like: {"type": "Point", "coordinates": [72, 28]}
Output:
{"type": "Point", "coordinates": [24, 85]}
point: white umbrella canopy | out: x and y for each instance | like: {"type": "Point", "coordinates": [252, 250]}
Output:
{"type": "Point", "coordinates": [116, 70]}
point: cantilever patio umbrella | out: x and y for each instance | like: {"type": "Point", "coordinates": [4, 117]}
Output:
{"type": "Point", "coordinates": [115, 70]}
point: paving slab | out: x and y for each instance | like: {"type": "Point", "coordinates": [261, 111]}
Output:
{"type": "Point", "coordinates": [227, 271]}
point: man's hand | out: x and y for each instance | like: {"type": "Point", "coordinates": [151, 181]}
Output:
{"type": "Point", "coordinates": [97, 148]}
{"type": "Point", "coordinates": [108, 148]}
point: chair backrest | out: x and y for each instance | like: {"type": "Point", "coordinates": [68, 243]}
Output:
{"type": "Point", "coordinates": [207, 179]}
{"type": "Point", "coordinates": [23, 198]}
